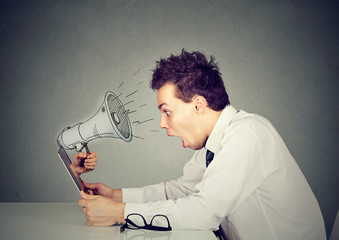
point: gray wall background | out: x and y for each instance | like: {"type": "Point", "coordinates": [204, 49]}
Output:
{"type": "Point", "coordinates": [58, 58]}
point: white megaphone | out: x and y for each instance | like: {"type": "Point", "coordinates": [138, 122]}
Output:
{"type": "Point", "coordinates": [110, 121]}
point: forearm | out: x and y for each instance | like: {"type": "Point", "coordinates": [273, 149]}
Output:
{"type": "Point", "coordinates": [117, 195]}
{"type": "Point", "coordinates": [145, 194]}
{"type": "Point", "coordinates": [174, 189]}
{"type": "Point", "coordinates": [170, 190]}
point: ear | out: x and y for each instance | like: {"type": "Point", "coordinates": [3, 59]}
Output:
{"type": "Point", "coordinates": [200, 103]}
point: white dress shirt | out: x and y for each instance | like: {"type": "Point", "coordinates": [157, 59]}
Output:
{"type": "Point", "coordinates": [253, 183]}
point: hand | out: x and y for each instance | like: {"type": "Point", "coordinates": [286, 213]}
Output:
{"type": "Point", "coordinates": [83, 163]}
{"type": "Point", "coordinates": [103, 190]}
{"type": "Point", "coordinates": [101, 211]}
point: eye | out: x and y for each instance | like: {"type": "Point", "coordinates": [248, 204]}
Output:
{"type": "Point", "coordinates": [167, 113]}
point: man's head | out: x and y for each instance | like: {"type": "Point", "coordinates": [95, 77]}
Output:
{"type": "Point", "coordinates": [191, 95]}
{"type": "Point", "coordinates": [192, 74]}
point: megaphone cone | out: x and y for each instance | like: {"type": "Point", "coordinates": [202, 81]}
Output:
{"type": "Point", "coordinates": [110, 121]}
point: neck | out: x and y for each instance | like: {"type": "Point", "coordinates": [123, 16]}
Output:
{"type": "Point", "coordinates": [210, 119]}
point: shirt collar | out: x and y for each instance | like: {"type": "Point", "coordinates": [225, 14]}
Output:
{"type": "Point", "coordinates": [217, 133]}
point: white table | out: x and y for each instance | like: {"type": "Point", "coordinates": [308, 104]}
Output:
{"type": "Point", "coordinates": [62, 221]}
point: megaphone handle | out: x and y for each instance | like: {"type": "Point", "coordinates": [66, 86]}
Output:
{"type": "Point", "coordinates": [87, 149]}
{"type": "Point", "coordinates": [84, 145]}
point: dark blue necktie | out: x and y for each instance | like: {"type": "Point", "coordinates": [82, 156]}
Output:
{"type": "Point", "coordinates": [209, 157]}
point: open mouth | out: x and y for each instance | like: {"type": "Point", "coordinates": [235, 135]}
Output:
{"type": "Point", "coordinates": [183, 142]}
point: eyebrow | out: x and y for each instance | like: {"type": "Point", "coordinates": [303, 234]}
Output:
{"type": "Point", "coordinates": [160, 105]}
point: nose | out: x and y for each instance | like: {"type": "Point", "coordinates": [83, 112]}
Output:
{"type": "Point", "coordinates": [163, 123]}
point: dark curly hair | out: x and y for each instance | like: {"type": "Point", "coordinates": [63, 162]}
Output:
{"type": "Point", "coordinates": [192, 74]}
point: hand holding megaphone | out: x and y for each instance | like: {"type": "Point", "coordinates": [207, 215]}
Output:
{"type": "Point", "coordinates": [83, 163]}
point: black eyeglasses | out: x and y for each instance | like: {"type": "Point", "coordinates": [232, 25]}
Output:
{"type": "Point", "coordinates": [137, 221]}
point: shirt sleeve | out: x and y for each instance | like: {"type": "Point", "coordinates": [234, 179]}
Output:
{"type": "Point", "coordinates": [171, 190]}
{"type": "Point", "coordinates": [234, 174]}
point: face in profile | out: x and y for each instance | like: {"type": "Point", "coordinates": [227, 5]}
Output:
{"type": "Point", "coordinates": [179, 118]}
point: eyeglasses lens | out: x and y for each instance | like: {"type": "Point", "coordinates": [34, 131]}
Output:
{"type": "Point", "coordinates": [160, 221]}
{"type": "Point", "coordinates": [135, 221]}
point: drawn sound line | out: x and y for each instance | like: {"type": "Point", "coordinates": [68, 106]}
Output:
{"type": "Point", "coordinates": [127, 103]}
{"type": "Point", "coordinates": [129, 112]}
{"type": "Point", "coordinates": [140, 122]}
{"type": "Point", "coordinates": [134, 135]}
{"type": "Point", "coordinates": [121, 84]}
{"type": "Point", "coordinates": [139, 137]}
{"type": "Point", "coordinates": [136, 72]}
{"type": "Point", "coordinates": [131, 94]}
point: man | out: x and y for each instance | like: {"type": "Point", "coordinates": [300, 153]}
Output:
{"type": "Point", "coordinates": [241, 178]}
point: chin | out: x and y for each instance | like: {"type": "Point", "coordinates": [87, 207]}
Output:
{"type": "Point", "coordinates": [196, 147]}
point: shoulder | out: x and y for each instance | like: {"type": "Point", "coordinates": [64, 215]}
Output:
{"type": "Point", "coordinates": [249, 125]}
{"type": "Point", "coordinates": [245, 120]}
